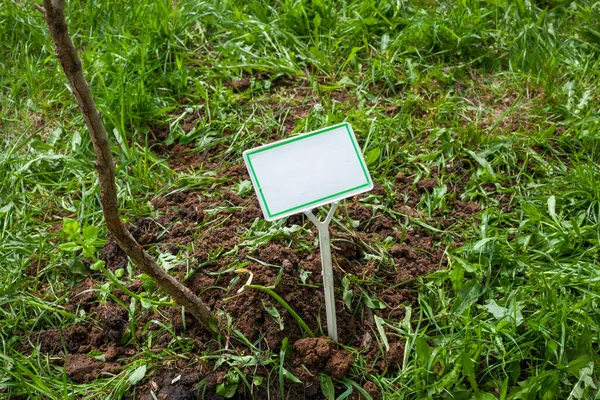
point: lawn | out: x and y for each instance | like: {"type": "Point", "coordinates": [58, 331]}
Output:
{"type": "Point", "coordinates": [469, 272]}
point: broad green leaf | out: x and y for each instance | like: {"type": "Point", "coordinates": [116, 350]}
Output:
{"type": "Point", "coordinates": [90, 233]}
{"type": "Point", "coordinates": [304, 275]}
{"type": "Point", "coordinates": [167, 260]}
{"type": "Point", "coordinates": [373, 303]}
{"type": "Point", "coordinates": [75, 141]}
{"type": "Point", "coordinates": [40, 146]}
{"type": "Point", "coordinates": [512, 313]}
{"type": "Point", "coordinates": [552, 208]}
{"type": "Point", "coordinates": [327, 387]}
{"type": "Point", "coordinates": [69, 246]}
{"type": "Point", "coordinates": [373, 156]}
{"type": "Point", "coordinates": [467, 364]}
{"type": "Point", "coordinates": [480, 245]}
{"type": "Point", "coordinates": [5, 209]}
{"type": "Point", "coordinates": [351, 57]}
{"type": "Point", "coordinates": [497, 311]}
{"type": "Point", "coordinates": [346, 81]}
{"type": "Point", "coordinates": [97, 265]}
{"type": "Point", "coordinates": [258, 380]}
{"type": "Point", "coordinates": [243, 188]}
{"type": "Point", "coordinates": [514, 370]}
{"type": "Point", "coordinates": [273, 312]}
{"type": "Point", "coordinates": [54, 136]}
{"type": "Point", "coordinates": [77, 267]}
{"type": "Point", "coordinates": [484, 396]}
{"type": "Point", "coordinates": [227, 389]}
{"type": "Point", "coordinates": [423, 351]}
{"type": "Point", "coordinates": [70, 226]}
{"type": "Point", "coordinates": [88, 251]}
{"type": "Point", "coordinates": [586, 379]}
{"type": "Point", "coordinates": [379, 322]}
{"type": "Point", "coordinates": [385, 41]}
{"type": "Point", "coordinates": [467, 295]}
{"type": "Point", "coordinates": [449, 379]}
{"type": "Point", "coordinates": [532, 212]}
{"type": "Point", "coordinates": [457, 276]}
{"type": "Point", "coordinates": [137, 375]}
{"type": "Point", "coordinates": [122, 141]}
{"type": "Point", "coordinates": [146, 304]}
{"type": "Point", "coordinates": [317, 23]}
{"type": "Point", "coordinates": [348, 294]}
{"type": "Point", "coordinates": [290, 377]}
{"type": "Point", "coordinates": [482, 162]}
{"type": "Point", "coordinates": [544, 386]}
{"type": "Point", "coordinates": [577, 364]}
{"type": "Point", "coordinates": [440, 191]}
{"type": "Point", "coordinates": [230, 383]}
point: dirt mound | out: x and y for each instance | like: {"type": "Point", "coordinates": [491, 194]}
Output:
{"type": "Point", "coordinates": [294, 271]}
{"type": "Point", "coordinates": [216, 233]}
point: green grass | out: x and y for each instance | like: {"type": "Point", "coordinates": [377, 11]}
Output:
{"type": "Point", "coordinates": [506, 89]}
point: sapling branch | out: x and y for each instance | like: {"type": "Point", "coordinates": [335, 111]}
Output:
{"type": "Point", "coordinates": [70, 62]}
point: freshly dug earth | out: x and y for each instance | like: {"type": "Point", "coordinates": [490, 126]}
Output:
{"type": "Point", "coordinates": [218, 232]}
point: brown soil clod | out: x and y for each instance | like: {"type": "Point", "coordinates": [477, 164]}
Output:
{"type": "Point", "coordinates": [113, 319]}
{"type": "Point", "coordinates": [239, 85]}
{"type": "Point", "coordinates": [49, 341]}
{"type": "Point", "coordinates": [79, 338]}
{"type": "Point", "coordinates": [372, 390]}
{"type": "Point", "coordinates": [113, 256]}
{"type": "Point", "coordinates": [84, 295]}
{"type": "Point", "coordinates": [314, 355]}
{"type": "Point", "coordinates": [426, 185]}
{"type": "Point", "coordinates": [82, 369]}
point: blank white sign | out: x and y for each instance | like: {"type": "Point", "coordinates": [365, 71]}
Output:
{"type": "Point", "coordinates": [307, 171]}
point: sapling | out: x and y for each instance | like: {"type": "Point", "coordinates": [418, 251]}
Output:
{"type": "Point", "coordinates": [70, 62]}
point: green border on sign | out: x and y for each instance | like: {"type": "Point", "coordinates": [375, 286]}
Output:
{"type": "Point", "coordinates": [295, 139]}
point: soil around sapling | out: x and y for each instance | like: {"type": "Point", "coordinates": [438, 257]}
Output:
{"type": "Point", "coordinates": [218, 231]}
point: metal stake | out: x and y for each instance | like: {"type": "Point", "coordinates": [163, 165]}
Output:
{"type": "Point", "coordinates": [325, 246]}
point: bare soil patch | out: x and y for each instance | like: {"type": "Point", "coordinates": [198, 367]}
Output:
{"type": "Point", "coordinates": [216, 231]}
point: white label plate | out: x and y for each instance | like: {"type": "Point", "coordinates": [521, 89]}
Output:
{"type": "Point", "coordinates": [307, 171]}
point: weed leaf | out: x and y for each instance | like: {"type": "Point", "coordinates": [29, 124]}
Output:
{"type": "Point", "coordinates": [137, 375]}
{"type": "Point", "coordinates": [379, 322]}
{"type": "Point", "coordinates": [327, 386]}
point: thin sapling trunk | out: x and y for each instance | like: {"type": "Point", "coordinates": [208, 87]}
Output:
{"type": "Point", "coordinates": [71, 64]}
